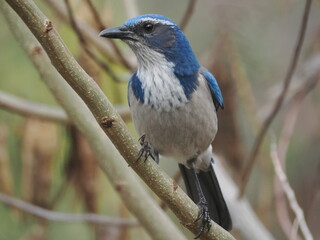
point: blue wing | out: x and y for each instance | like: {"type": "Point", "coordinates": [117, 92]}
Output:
{"type": "Point", "coordinates": [214, 88]}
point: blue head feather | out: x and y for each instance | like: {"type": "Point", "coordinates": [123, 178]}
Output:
{"type": "Point", "coordinates": [135, 20]}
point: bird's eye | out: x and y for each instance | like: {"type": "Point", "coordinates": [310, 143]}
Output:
{"type": "Point", "coordinates": [148, 27]}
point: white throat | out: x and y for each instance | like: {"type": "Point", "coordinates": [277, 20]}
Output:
{"type": "Point", "coordinates": [162, 89]}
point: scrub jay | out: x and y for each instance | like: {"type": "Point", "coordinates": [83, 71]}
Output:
{"type": "Point", "coordinates": [173, 102]}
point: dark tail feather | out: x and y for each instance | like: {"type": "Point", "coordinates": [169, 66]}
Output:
{"type": "Point", "coordinates": [218, 209]}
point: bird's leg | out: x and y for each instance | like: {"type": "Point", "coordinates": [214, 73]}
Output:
{"type": "Point", "coordinates": [147, 150]}
{"type": "Point", "coordinates": [203, 206]}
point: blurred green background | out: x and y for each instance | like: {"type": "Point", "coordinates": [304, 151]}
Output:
{"type": "Point", "coordinates": [247, 45]}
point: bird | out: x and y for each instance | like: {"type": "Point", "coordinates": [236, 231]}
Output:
{"type": "Point", "coordinates": [174, 102]}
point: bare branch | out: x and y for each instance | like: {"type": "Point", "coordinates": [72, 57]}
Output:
{"type": "Point", "coordinates": [28, 108]}
{"type": "Point", "coordinates": [289, 192]}
{"type": "Point", "coordinates": [280, 200]}
{"type": "Point", "coordinates": [65, 217]}
{"type": "Point", "coordinates": [85, 45]}
{"type": "Point", "coordinates": [24, 107]}
{"type": "Point", "coordinates": [187, 15]}
{"type": "Point", "coordinates": [309, 70]}
{"type": "Point", "coordinates": [107, 47]}
{"type": "Point", "coordinates": [95, 15]}
{"type": "Point", "coordinates": [265, 126]}
{"type": "Point", "coordinates": [98, 20]}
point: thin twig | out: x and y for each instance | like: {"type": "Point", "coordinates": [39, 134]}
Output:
{"type": "Point", "coordinates": [285, 138]}
{"type": "Point", "coordinates": [265, 126]}
{"type": "Point", "coordinates": [65, 217]}
{"type": "Point", "coordinates": [187, 15]}
{"type": "Point", "coordinates": [102, 26]}
{"type": "Point", "coordinates": [95, 15]}
{"type": "Point", "coordinates": [309, 69]}
{"type": "Point", "coordinates": [289, 192]}
{"type": "Point", "coordinates": [284, 141]}
{"type": "Point", "coordinates": [85, 45]}
{"type": "Point", "coordinates": [25, 107]}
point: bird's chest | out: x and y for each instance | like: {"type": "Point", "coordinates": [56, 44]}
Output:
{"type": "Point", "coordinates": [161, 89]}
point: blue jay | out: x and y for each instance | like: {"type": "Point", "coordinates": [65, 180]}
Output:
{"type": "Point", "coordinates": [173, 102]}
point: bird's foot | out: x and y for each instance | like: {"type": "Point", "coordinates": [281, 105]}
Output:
{"type": "Point", "coordinates": [146, 150]}
{"type": "Point", "coordinates": [203, 216]}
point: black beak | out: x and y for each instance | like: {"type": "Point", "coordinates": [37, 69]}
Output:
{"type": "Point", "coordinates": [121, 32]}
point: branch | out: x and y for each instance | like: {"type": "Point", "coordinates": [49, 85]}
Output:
{"type": "Point", "coordinates": [149, 214]}
{"type": "Point", "coordinates": [284, 141]}
{"type": "Point", "coordinates": [156, 222]}
{"type": "Point", "coordinates": [289, 192]}
{"type": "Point", "coordinates": [65, 217]}
{"type": "Point", "coordinates": [187, 15]}
{"type": "Point", "coordinates": [85, 46]}
{"type": "Point", "coordinates": [99, 22]}
{"type": "Point", "coordinates": [32, 109]}
{"type": "Point", "coordinates": [280, 199]}
{"type": "Point", "coordinates": [28, 108]}
{"type": "Point", "coordinates": [95, 15]}
{"type": "Point", "coordinates": [308, 71]}
{"type": "Point", "coordinates": [105, 47]}
{"type": "Point", "coordinates": [265, 126]}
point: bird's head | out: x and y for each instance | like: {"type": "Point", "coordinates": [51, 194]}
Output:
{"type": "Point", "coordinates": [150, 35]}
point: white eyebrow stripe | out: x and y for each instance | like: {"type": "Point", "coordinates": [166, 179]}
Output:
{"type": "Point", "coordinates": [164, 22]}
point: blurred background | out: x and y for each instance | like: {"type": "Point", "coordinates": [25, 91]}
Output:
{"type": "Point", "coordinates": [246, 44]}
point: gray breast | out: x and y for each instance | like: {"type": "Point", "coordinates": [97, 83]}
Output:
{"type": "Point", "coordinates": [182, 132]}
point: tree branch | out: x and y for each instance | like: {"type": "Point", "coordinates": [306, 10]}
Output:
{"type": "Point", "coordinates": [85, 46]}
{"type": "Point", "coordinates": [65, 217]}
{"type": "Point", "coordinates": [99, 22]}
{"type": "Point", "coordinates": [24, 107]}
{"type": "Point", "coordinates": [95, 15]}
{"type": "Point", "coordinates": [289, 193]}
{"type": "Point", "coordinates": [115, 128]}
{"type": "Point", "coordinates": [187, 15]}
{"type": "Point", "coordinates": [265, 126]}
{"type": "Point", "coordinates": [106, 47]}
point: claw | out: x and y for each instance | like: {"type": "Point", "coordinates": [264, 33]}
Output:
{"type": "Point", "coordinates": [204, 216]}
{"type": "Point", "coordinates": [146, 150]}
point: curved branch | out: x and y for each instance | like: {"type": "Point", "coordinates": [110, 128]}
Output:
{"type": "Point", "coordinates": [24, 107]}
{"type": "Point", "coordinates": [301, 221]}
{"type": "Point", "coordinates": [187, 15]}
{"type": "Point", "coordinates": [106, 47]}
{"type": "Point", "coordinates": [65, 217]}
{"type": "Point", "coordinates": [114, 127]}
{"type": "Point", "coordinates": [95, 14]}
{"type": "Point", "coordinates": [265, 126]}
{"type": "Point", "coordinates": [85, 46]}
{"type": "Point", "coordinates": [32, 109]}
